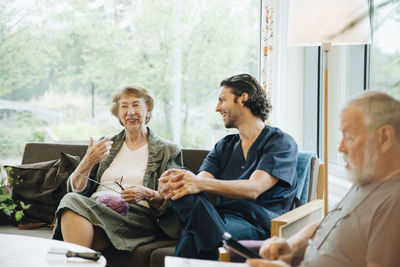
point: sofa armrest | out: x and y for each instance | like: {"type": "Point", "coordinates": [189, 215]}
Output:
{"type": "Point", "coordinates": [288, 224]}
{"type": "Point", "coordinates": [291, 222]}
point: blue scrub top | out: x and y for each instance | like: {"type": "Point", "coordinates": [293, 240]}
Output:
{"type": "Point", "coordinates": [274, 152]}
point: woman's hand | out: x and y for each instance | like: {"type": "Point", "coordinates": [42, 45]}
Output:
{"type": "Point", "coordinates": [137, 193]}
{"type": "Point", "coordinates": [94, 154]}
{"type": "Point", "coordinates": [97, 152]}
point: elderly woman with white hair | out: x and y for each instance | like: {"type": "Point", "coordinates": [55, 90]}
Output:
{"type": "Point", "coordinates": [113, 199]}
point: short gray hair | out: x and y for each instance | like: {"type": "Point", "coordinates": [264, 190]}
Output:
{"type": "Point", "coordinates": [379, 109]}
{"type": "Point", "coordinates": [132, 90]}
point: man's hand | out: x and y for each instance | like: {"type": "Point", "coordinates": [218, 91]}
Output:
{"type": "Point", "coordinates": [166, 187]}
{"type": "Point", "coordinates": [175, 184]}
{"type": "Point", "coordinates": [266, 263]}
{"type": "Point", "coordinates": [276, 248]}
{"type": "Point", "coordinates": [275, 252]}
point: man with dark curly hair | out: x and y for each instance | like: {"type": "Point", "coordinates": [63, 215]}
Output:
{"type": "Point", "coordinates": [253, 173]}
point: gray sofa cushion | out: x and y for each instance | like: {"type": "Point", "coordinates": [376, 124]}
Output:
{"type": "Point", "coordinates": [42, 185]}
{"type": "Point", "coordinates": [158, 255]}
{"type": "Point", "coordinates": [141, 256]}
{"type": "Point", "coordinates": [151, 254]}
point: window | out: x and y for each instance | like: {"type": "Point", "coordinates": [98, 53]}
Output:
{"type": "Point", "coordinates": [61, 61]}
{"type": "Point", "coordinates": [348, 76]}
{"type": "Point", "coordinates": [345, 81]}
{"type": "Point", "coordinates": [385, 54]}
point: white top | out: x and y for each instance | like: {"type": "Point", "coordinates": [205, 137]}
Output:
{"type": "Point", "coordinates": [129, 164]}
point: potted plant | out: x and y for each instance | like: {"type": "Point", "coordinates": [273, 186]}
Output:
{"type": "Point", "coordinates": [11, 210]}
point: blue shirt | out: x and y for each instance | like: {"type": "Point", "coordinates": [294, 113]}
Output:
{"type": "Point", "coordinates": [274, 152]}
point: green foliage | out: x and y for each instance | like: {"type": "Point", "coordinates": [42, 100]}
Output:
{"type": "Point", "coordinates": [56, 50]}
{"type": "Point", "coordinates": [22, 127]}
{"type": "Point", "coordinates": [385, 72]}
{"type": "Point", "coordinates": [12, 140]}
{"type": "Point", "coordinates": [23, 55]}
{"type": "Point", "coordinates": [385, 55]}
{"type": "Point", "coordinates": [10, 146]}
{"type": "Point", "coordinates": [14, 209]}
{"type": "Point", "coordinates": [53, 52]}
{"type": "Point", "coordinates": [81, 130]}
{"type": "Point", "coordinates": [27, 119]}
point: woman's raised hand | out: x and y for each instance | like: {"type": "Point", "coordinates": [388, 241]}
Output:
{"type": "Point", "coordinates": [96, 152]}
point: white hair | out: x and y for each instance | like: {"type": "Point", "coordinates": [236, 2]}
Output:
{"type": "Point", "coordinates": [378, 109]}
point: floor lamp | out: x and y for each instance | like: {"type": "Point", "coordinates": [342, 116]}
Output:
{"type": "Point", "coordinates": [325, 23]}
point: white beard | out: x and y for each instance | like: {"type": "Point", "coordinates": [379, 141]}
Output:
{"type": "Point", "coordinates": [368, 172]}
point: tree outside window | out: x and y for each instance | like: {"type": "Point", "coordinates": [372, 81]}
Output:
{"type": "Point", "coordinates": [60, 62]}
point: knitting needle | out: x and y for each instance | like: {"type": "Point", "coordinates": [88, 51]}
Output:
{"type": "Point", "coordinates": [120, 185]}
{"type": "Point", "coordinates": [94, 181]}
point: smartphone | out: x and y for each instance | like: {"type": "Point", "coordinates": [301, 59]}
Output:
{"type": "Point", "coordinates": [241, 250]}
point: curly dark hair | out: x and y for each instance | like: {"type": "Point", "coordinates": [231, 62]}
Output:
{"type": "Point", "coordinates": [258, 102]}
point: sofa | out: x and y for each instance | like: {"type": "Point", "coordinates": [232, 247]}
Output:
{"type": "Point", "coordinates": [151, 254]}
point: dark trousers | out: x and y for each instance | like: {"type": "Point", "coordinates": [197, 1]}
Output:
{"type": "Point", "coordinates": [204, 227]}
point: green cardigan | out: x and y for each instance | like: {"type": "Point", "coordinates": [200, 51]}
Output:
{"type": "Point", "coordinates": [163, 155]}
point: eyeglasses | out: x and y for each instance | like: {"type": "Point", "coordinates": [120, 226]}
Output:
{"type": "Point", "coordinates": [118, 182]}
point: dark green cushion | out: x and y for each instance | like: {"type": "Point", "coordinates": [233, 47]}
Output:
{"type": "Point", "coordinates": [43, 185]}
{"type": "Point", "coordinates": [141, 256]}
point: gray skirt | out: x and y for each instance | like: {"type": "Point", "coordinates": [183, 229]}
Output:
{"type": "Point", "coordinates": [125, 232]}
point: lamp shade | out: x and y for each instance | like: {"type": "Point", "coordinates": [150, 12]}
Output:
{"type": "Point", "coordinates": [338, 22]}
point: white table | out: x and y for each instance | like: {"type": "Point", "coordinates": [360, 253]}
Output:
{"type": "Point", "coordinates": [21, 251]}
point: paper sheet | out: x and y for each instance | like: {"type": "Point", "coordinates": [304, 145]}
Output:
{"type": "Point", "coordinates": [183, 262]}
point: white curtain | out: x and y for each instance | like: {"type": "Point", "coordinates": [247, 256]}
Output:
{"type": "Point", "coordinates": [282, 70]}
{"type": "Point", "coordinates": [268, 39]}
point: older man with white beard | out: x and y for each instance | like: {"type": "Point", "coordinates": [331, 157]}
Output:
{"type": "Point", "coordinates": [364, 228]}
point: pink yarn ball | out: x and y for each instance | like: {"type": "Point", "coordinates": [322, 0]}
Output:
{"type": "Point", "coordinates": [115, 203]}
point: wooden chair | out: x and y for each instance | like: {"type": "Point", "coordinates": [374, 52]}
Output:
{"type": "Point", "coordinates": [293, 221]}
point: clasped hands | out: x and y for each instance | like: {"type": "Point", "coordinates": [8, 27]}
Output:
{"type": "Point", "coordinates": [177, 183]}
